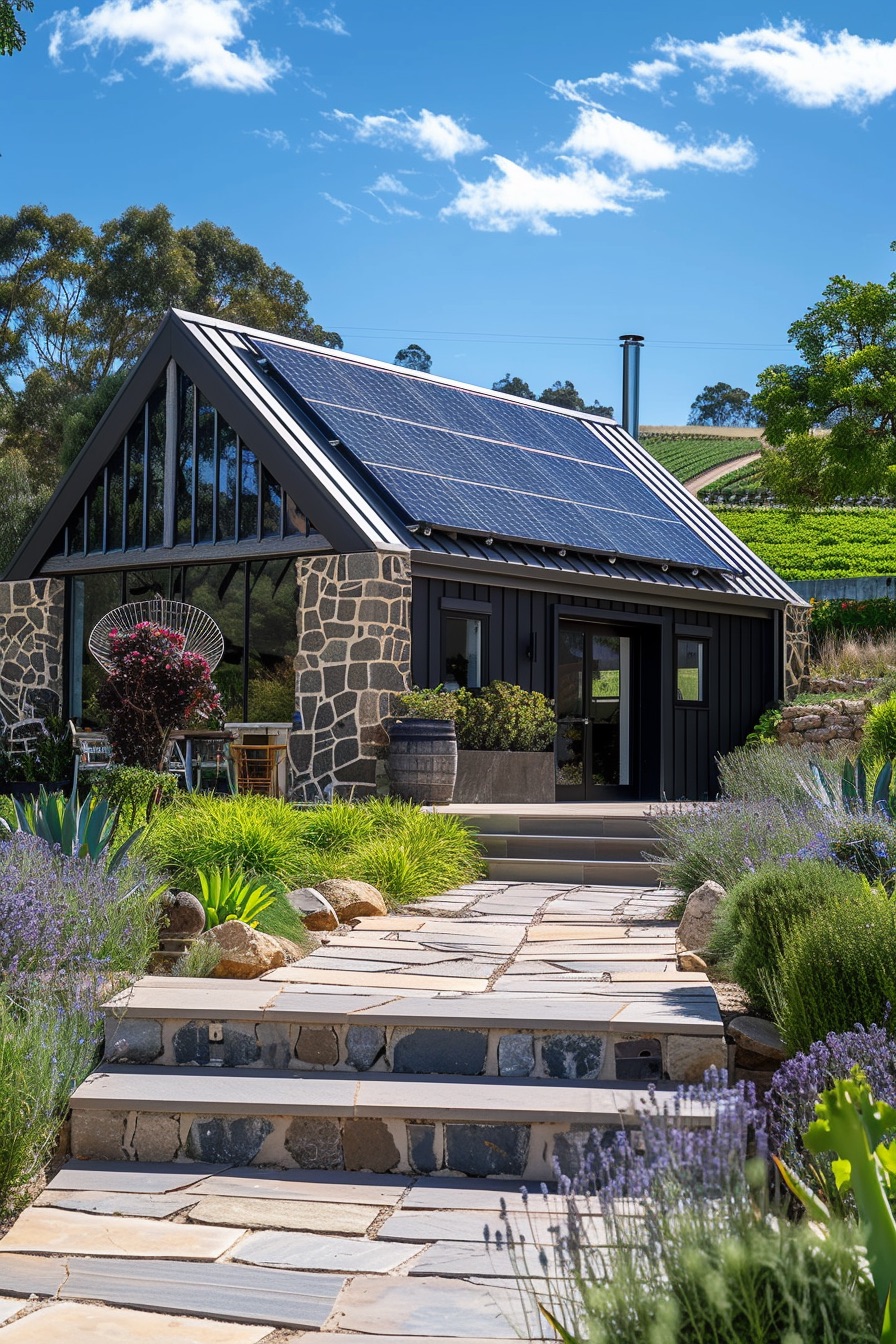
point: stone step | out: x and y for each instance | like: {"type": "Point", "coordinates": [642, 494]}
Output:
{"type": "Point", "coordinates": [612, 848]}
{"type": "Point", "coordinates": [597, 872]}
{"type": "Point", "coordinates": [388, 1123]}
{"type": "Point", "coordinates": [557, 821]}
{"type": "Point", "coordinates": [639, 1027]}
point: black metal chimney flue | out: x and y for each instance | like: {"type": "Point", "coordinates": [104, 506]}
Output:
{"type": "Point", "coordinates": [631, 383]}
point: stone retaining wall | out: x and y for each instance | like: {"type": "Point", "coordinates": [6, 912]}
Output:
{"type": "Point", "coordinates": [832, 721]}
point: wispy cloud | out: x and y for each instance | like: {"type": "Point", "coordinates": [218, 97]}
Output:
{"type": "Point", "coordinates": [273, 139]}
{"type": "Point", "coordinates": [387, 184]}
{"type": "Point", "coordinates": [824, 69]}
{"type": "Point", "coordinates": [329, 22]}
{"type": "Point", "coordinates": [517, 195]}
{"type": "Point", "coordinates": [433, 134]}
{"type": "Point", "coordinates": [599, 134]}
{"type": "Point", "coordinates": [201, 42]}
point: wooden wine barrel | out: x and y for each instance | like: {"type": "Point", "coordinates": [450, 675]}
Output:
{"type": "Point", "coordinates": [423, 760]}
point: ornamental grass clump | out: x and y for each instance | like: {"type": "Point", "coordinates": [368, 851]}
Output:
{"type": "Point", "coordinates": [154, 686]}
{"type": "Point", "coordinates": [754, 920]}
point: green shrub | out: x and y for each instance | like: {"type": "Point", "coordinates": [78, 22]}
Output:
{"type": "Point", "coordinates": [838, 969]}
{"type": "Point", "coordinates": [296, 847]}
{"type": "Point", "coordinates": [765, 729]}
{"type": "Point", "coordinates": [735, 1280]}
{"type": "Point", "coordinates": [199, 960]}
{"type": "Point", "coordinates": [754, 920]}
{"type": "Point", "coordinates": [132, 789]}
{"type": "Point", "coordinates": [501, 717]}
{"type": "Point", "coordinates": [225, 895]}
{"type": "Point", "coordinates": [879, 733]}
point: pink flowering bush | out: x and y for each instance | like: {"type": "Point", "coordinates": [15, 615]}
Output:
{"type": "Point", "coordinates": [154, 687]}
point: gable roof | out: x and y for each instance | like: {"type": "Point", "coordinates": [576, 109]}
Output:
{"type": "Point", "coordinates": [383, 458]}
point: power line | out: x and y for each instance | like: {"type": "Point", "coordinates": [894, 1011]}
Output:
{"type": "Point", "coordinates": [524, 338]}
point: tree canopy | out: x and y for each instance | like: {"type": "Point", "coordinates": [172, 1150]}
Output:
{"type": "Point", "coordinates": [77, 305]}
{"type": "Point", "coordinates": [558, 394]}
{"type": "Point", "coordinates": [831, 420]}
{"type": "Point", "coordinates": [724, 405]}
{"type": "Point", "coordinates": [12, 34]}
{"type": "Point", "coordinates": [414, 357]}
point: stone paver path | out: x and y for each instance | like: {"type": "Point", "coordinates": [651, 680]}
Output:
{"type": "Point", "coordinates": [200, 1252]}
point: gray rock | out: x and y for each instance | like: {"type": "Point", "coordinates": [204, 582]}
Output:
{"type": "Point", "coordinates": [516, 1055]}
{"type": "Point", "coordinates": [133, 1040]}
{"type": "Point", "coordinates": [225, 1139]}
{"type": "Point", "coordinates": [572, 1056]}
{"type": "Point", "coordinates": [238, 1049]}
{"type": "Point", "coordinates": [422, 1147]}
{"type": "Point", "coordinates": [182, 915]}
{"type": "Point", "coordinates": [363, 1046]}
{"type": "Point", "coordinates": [757, 1035]}
{"type": "Point", "coordinates": [440, 1051]}
{"type": "Point", "coordinates": [191, 1044]}
{"type": "Point", "coordinates": [274, 1043]}
{"type": "Point", "coordinates": [699, 916]}
{"type": "Point", "coordinates": [487, 1150]}
{"type": "Point", "coordinates": [314, 1143]}
{"type": "Point", "coordinates": [316, 912]}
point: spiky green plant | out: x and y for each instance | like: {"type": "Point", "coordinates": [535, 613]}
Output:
{"type": "Point", "coordinates": [226, 895]}
{"type": "Point", "coordinates": [83, 830]}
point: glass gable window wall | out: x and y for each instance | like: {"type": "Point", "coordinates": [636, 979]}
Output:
{"type": "Point", "coordinates": [254, 603]}
{"type": "Point", "coordinates": [220, 494]}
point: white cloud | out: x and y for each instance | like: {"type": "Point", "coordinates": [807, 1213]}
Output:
{"type": "Point", "coordinates": [388, 183]}
{"type": "Point", "coordinates": [201, 41]}
{"type": "Point", "coordinates": [434, 134]}
{"type": "Point", "coordinates": [600, 134]}
{"type": "Point", "coordinates": [273, 139]}
{"type": "Point", "coordinates": [646, 76]}
{"type": "Point", "coordinates": [329, 22]}
{"type": "Point", "coordinates": [517, 195]}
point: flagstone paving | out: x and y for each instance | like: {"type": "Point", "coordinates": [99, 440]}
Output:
{"type": "Point", "coordinates": [498, 1003]}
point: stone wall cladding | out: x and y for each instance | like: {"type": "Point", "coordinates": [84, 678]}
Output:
{"type": "Point", "coordinates": [831, 721]}
{"type": "Point", "coordinates": [796, 650]}
{"type": "Point", "coordinates": [353, 657]}
{"type": "Point", "coordinates": [32, 621]}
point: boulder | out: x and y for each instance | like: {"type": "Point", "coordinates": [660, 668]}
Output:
{"type": "Point", "coordinates": [699, 914]}
{"type": "Point", "coordinates": [246, 953]}
{"type": "Point", "coordinates": [316, 911]}
{"type": "Point", "coordinates": [351, 899]}
{"type": "Point", "coordinates": [758, 1036]}
{"type": "Point", "coordinates": [689, 961]}
{"type": "Point", "coordinates": [291, 951]}
{"type": "Point", "coordinates": [184, 915]}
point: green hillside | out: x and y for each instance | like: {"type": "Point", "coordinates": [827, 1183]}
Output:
{"type": "Point", "coordinates": [687, 456]}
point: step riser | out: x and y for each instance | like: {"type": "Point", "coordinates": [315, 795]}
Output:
{"type": "Point", "coordinates": [516, 1148]}
{"type": "Point", "coordinates": [594, 827]}
{"type": "Point", "coordinates": [607, 848]}
{"type": "Point", "coordinates": [579, 872]}
{"type": "Point", "coordinates": [604, 1056]}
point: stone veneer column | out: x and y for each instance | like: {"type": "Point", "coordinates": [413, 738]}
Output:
{"type": "Point", "coordinates": [31, 631]}
{"type": "Point", "coordinates": [796, 650]}
{"type": "Point", "coordinates": [353, 656]}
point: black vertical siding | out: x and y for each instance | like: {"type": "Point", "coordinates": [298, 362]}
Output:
{"type": "Point", "coordinates": [681, 741]}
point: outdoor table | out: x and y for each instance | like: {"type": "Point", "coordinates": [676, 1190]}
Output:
{"type": "Point", "coordinates": [184, 742]}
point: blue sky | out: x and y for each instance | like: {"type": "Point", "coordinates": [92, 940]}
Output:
{"type": "Point", "coordinates": [511, 185]}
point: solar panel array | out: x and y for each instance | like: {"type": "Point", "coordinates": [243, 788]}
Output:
{"type": "Point", "coordinates": [466, 461]}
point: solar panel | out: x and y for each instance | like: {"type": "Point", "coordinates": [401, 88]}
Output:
{"type": "Point", "coordinates": [471, 462]}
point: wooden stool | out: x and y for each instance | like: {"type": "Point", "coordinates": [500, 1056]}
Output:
{"type": "Point", "coordinates": [256, 767]}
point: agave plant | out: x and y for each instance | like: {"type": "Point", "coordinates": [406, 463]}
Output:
{"type": "Point", "coordinates": [851, 790]}
{"type": "Point", "coordinates": [84, 830]}
{"type": "Point", "coordinates": [228, 895]}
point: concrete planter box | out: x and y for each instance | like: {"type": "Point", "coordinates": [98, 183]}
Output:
{"type": "Point", "coordinates": [505, 777]}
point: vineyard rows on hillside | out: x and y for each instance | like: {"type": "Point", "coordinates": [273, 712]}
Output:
{"type": "Point", "coordinates": [686, 457]}
{"type": "Point", "coordinates": [827, 544]}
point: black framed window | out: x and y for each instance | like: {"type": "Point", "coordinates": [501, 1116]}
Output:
{"type": "Point", "coordinates": [463, 651]}
{"type": "Point", "coordinates": [690, 671]}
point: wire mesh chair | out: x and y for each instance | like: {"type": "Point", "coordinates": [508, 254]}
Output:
{"type": "Point", "coordinates": [201, 633]}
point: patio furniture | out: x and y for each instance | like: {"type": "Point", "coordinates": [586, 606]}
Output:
{"type": "Point", "coordinates": [257, 766]}
{"type": "Point", "coordinates": [201, 634]}
{"type": "Point", "coordinates": [93, 751]}
{"type": "Point", "coordinates": [196, 754]}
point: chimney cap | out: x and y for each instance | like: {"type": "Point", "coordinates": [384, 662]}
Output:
{"type": "Point", "coordinates": [632, 338]}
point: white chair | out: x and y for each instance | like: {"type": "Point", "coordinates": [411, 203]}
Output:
{"type": "Point", "coordinates": [92, 751]}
